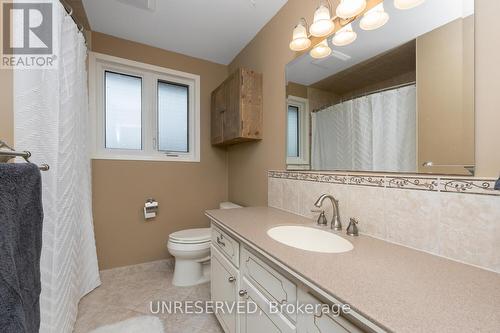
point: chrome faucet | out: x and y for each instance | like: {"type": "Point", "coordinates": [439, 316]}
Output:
{"type": "Point", "coordinates": [335, 223]}
{"type": "Point", "coordinates": [352, 229]}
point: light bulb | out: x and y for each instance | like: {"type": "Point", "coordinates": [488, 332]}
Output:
{"type": "Point", "coordinates": [350, 8]}
{"type": "Point", "coordinates": [407, 4]}
{"type": "Point", "coordinates": [300, 41]}
{"type": "Point", "coordinates": [374, 18]}
{"type": "Point", "coordinates": [321, 50]}
{"type": "Point", "coordinates": [344, 36]}
{"type": "Point", "coordinates": [322, 25]}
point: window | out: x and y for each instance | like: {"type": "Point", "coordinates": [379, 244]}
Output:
{"type": "Point", "coordinates": [143, 112]}
{"type": "Point", "coordinates": [293, 131]}
{"type": "Point", "coordinates": [123, 105]}
{"type": "Point", "coordinates": [173, 109]}
{"type": "Point", "coordinates": [297, 131]}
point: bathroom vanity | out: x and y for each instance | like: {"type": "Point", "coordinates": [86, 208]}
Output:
{"type": "Point", "coordinates": [388, 288]}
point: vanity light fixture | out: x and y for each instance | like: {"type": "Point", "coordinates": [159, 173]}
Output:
{"type": "Point", "coordinates": [407, 4]}
{"type": "Point", "coordinates": [322, 24]}
{"type": "Point", "coordinates": [344, 36]}
{"type": "Point", "coordinates": [374, 18]}
{"type": "Point", "coordinates": [350, 8]}
{"type": "Point", "coordinates": [300, 40]}
{"type": "Point", "coordinates": [322, 50]}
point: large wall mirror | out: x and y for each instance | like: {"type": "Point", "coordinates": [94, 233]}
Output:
{"type": "Point", "coordinates": [397, 99]}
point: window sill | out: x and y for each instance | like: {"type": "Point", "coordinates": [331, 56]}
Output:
{"type": "Point", "coordinates": [296, 161]}
{"type": "Point", "coordinates": [156, 158]}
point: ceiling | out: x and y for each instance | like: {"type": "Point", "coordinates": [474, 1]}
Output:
{"type": "Point", "coordinates": [403, 26]}
{"type": "Point", "coordinates": [214, 30]}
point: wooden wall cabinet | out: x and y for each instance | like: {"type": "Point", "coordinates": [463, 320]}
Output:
{"type": "Point", "coordinates": [236, 114]}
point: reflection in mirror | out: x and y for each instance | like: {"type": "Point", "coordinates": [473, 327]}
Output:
{"type": "Point", "coordinates": [298, 132]}
{"type": "Point", "coordinates": [398, 99]}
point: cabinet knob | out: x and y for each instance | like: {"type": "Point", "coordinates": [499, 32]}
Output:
{"type": "Point", "coordinates": [231, 279]}
{"type": "Point", "coordinates": [242, 293]}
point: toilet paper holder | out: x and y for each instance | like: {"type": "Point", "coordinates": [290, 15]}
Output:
{"type": "Point", "coordinates": [150, 208]}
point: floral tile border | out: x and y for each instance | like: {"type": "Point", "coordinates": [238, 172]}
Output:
{"type": "Point", "coordinates": [474, 186]}
{"type": "Point", "coordinates": [426, 183]}
{"type": "Point", "coordinates": [413, 183]}
{"type": "Point", "coordinates": [366, 180]}
{"type": "Point", "coordinates": [334, 178]}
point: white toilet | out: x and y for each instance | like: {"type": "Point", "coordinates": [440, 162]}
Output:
{"type": "Point", "coordinates": [191, 249]}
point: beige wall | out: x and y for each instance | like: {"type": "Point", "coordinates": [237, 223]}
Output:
{"type": "Point", "coordinates": [6, 105]}
{"type": "Point", "coordinates": [487, 101]}
{"type": "Point", "coordinates": [184, 190]}
{"type": "Point", "coordinates": [319, 99]}
{"type": "Point", "coordinates": [445, 96]}
{"type": "Point", "coordinates": [403, 78]}
{"type": "Point", "coordinates": [267, 53]}
{"type": "Point", "coordinates": [297, 90]}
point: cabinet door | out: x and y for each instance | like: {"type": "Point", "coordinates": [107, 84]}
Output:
{"type": "Point", "coordinates": [258, 317]}
{"type": "Point", "coordinates": [219, 106]}
{"type": "Point", "coordinates": [321, 322]}
{"type": "Point", "coordinates": [251, 104]}
{"type": "Point", "coordinates": [232, 124]}
{"type": "Point", "coordinates": [224, 287]}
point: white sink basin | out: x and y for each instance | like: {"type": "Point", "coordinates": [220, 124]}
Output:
{"type": "Point", "coordinates": [310, 239]}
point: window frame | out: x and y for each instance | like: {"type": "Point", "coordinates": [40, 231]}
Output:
{"type": "Point", "coordinates": [303, 131]}
{"type": "Point", "coordinates": [151, 75]}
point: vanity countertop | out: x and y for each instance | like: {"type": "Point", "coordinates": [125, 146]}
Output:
{"type": "Point", "coordinates": [401, 289]}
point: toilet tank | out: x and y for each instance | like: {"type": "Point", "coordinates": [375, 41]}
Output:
{"type": "Point", "coordinates": [228, 205]}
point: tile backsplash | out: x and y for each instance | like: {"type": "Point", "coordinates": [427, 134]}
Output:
{"type": "Point", "coordinates": [451, 217]}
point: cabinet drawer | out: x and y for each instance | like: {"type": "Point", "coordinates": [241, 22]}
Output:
{"type": "Point", "coordinates": [223, 288]}
{"type": "Point", "coordinates": [226, 244]}
{"type": "Point", "coordinates": [272, 284]}
{"type": "Point", "coordinates": [322, 322]}
{"type": "Point", "coordinates": [263, 320]}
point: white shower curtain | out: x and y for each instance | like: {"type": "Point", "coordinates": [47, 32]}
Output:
{"type": "Point", "coordinates": [50, 115]}
{"type": "Point", "coordinates": [375, 132]}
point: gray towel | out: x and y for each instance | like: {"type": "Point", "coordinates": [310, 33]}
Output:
{"type": "Point", "coordinates": [21, 217]}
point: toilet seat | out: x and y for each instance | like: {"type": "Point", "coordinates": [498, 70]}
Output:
{"type": "Point", "coordinates": [191, 236]}
{"type": "Point", "coordinates": [188, 247]}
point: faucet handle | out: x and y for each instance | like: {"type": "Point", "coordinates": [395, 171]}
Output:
{"type": "Point", "coordinates": [352, 229]}
{"type": "Point", "coordinates": [321, 218]}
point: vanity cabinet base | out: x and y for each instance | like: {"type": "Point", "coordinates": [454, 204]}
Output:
{"type": "Point", "coordinates": [266, 293]}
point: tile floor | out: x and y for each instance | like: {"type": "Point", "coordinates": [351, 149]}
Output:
{"type": "Point", "coordinates": [127, 292]}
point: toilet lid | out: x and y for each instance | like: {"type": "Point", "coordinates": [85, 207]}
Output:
{"type": "Point", "coordinates": [197, 235]}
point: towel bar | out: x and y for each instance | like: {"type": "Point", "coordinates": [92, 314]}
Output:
{"type": "Point", "coordinates": [24, 154]}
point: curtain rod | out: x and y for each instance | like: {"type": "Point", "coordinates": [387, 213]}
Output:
{"type": "Point", "coordinates": [367, 94]}
{"type": "Point", "coordinates": [70, 11]}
